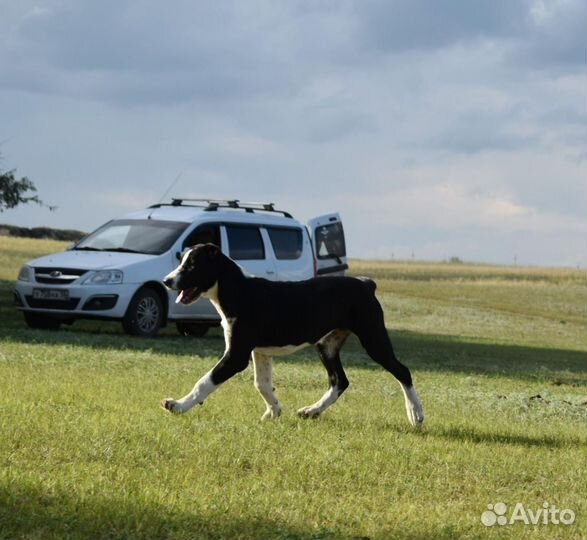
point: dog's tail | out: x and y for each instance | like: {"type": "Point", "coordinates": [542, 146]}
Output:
{"type": "Point", "coordinates": [369, 283]}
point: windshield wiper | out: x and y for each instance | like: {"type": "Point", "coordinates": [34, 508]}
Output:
{"type": "Point", "coordinates": [118, 249]}
{"type": "Point", "coordinates": [123, 250]}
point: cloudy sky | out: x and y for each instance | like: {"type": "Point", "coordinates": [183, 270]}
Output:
{"type": "Point", "coordinates": [437, 128]}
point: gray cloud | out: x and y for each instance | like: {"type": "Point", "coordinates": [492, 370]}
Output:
{"type": "Point", "coordinates": [404, 25]}
{"type": "Point", "coordinates": [150, 53]}
{"type": "Point", "coordinates": [540, 34]}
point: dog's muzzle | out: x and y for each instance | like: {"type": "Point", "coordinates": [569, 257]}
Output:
{"type": "Point", "coordinates": [171, 280]}
{"type": "Point", "coordinates": [186, 296]}
{"type": "Point", "coordinates": [168, 282]}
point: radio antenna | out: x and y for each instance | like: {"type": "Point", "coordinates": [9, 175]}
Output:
{"type": "Point", "coordinates": [172, 185]}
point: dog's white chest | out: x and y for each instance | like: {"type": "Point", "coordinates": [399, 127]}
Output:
{"type": "Point", "coordinates": [212, 294]}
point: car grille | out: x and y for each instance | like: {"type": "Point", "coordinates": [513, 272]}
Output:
{"type": "Point", "coordinates": [58, 276]}
{"type": "Point", "coordinates": [52, 304]}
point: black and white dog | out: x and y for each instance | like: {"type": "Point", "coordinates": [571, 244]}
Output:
{"type": "Point", "coordinates": [267, 318]}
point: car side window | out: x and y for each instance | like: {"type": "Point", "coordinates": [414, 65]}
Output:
{"type": "Point", "coordinates": [287, 243]}
{"type": "Point", "coordinates": [205, 234]}
{"type": "Point", "coordinates": [245, 243]}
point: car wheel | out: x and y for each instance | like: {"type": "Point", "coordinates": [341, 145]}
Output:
{"type": "Point", "coordinates": [41, 322]}
{"type": "Point", "coordinates": [144, 316]}
{"type": "Point", "coordinates": [192, 329]}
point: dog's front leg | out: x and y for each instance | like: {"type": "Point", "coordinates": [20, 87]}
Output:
{"type": "Point", "coordinates": [202, 389]}
{"type": "Point", "coordinates": [233, 361]}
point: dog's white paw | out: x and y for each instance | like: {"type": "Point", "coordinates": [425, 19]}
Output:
{"type": "Point", "coordinates": [171, 405]}
{"type": "Point", "coordinates": [413, 405]}
{"type": "Point", "coordinates": [309, 412]}
{"type": "Point", "coordinates": [271, 414]}
{"type": "Point", "coordinates": [415, 414]}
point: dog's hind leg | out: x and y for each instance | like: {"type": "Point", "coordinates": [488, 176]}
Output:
{"type": "Point", "coordinates": [378, 346]}
{"type": "Point", "coordinates": [262, 365]}
{"type": "Point", "coordinates": [328, 349]}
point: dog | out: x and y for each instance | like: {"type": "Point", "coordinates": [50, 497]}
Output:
{"type": "Point", "coordinates": [263, 318]}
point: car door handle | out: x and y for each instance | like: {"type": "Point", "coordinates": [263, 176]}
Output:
{"type": "Point", "coordinates": [270, 272]}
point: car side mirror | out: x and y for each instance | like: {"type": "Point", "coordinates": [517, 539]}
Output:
{"type": "Point", "coordinates": [179, 254]}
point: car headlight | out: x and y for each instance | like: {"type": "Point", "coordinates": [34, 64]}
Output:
{"type": "Point", "coordinates": [25, 274]}
{"type": "Point", "coordinates": [104, 277]}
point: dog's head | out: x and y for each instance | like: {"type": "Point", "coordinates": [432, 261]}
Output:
{"type": "Point", "coordinates": [196, 274]}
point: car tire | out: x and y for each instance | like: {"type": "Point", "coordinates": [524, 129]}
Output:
{"type": "Point", "coordinates": [41, 322]}
{"type": "Point", "coordinates": [192, 329]}
{"type": "Point", "coordinates": [145, 314]}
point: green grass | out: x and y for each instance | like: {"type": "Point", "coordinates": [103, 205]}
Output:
{"type": "Point", "coordinates": [499, 357]}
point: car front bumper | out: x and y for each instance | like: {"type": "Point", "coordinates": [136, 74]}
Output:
{"type": "Point", "coordinates": [74, 301]}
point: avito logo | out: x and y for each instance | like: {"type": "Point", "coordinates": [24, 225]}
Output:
{"type": "Point", "coordinates": [549, 514]}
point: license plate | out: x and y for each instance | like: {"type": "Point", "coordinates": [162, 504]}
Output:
{"type": "Point", "coordinates": [50, 294]}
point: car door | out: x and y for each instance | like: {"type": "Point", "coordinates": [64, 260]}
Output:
{"type": "Point", "coordinates": [246, 246]}
{"type": "Point", "coordinates": [292, 251]}
{"type": "Point", "coordinates": [329, 246]}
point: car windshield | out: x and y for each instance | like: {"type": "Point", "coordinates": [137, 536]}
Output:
{"type": "Point", "coordinates": [134, 236]}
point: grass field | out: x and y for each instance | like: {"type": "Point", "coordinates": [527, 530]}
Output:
{"type": "Point", "coordinates": [498, 355]}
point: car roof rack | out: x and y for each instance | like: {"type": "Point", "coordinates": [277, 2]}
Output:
{"type": "Point", "coordinates": [211, 205]}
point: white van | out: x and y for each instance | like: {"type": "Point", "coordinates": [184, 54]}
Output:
{"type": "Point", "coordinates": [116, 271]}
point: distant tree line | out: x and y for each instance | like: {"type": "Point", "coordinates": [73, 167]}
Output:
{"type": "Point", "coordinates": [68, 235]}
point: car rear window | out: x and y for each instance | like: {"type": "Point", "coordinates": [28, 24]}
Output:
{"type": "Point", "coordinates": [287, 243]}
{"type": "Point", "coordinates": [330, 241]}
{"type": "Point", "coordinates": [245, 243]}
